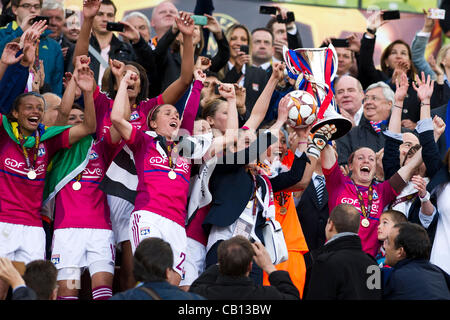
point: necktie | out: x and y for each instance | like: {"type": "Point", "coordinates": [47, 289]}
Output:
{"type": "Point", "coordinates": [320, 188]}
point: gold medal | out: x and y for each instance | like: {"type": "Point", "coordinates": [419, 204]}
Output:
{"type": "Point", "coordinates": [283, 211]}
{"type": "Point", "coordinates": [76, 186]}
{"type": "Point", "coordinates": [249, 204]}
{"type": "Point", "coordinates": [365, 222]}
{"type": "Point", "coordinates": [172, 175]}
{"type": "Point", "coordinates": [31, 174]}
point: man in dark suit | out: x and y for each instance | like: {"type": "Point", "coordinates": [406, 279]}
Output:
{"type": "Point", "coordinates": [230, 278]}
{"type": "Point", "coordinates": [412, 276]}
{"type": "Point", "coordinates": [341, 270]}
{"type": "Point", "coordinates": [313, 212]}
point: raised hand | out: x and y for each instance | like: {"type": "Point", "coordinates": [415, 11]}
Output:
{"type": "Point", "coordinates": [84, 78]}
{"type": "Point", "coordinates": [226, 90]}
{"type": "Point", "coordinates": [117, 69]}
{"type": "Point", "coordinates": [278, 70]}
{"type": "Point", "coordinates": [202, 63]}
{"type": "Point", "coordinates": [401, 88]}
{"type": "Point", "coordinates": [130, 32]}
{"type": "Point", "coordinates": [438, 127]}
{"type": "Point", "coordinates": [9, 53]}
{"type": "Point", "coordinates": [420, 185]}
{"type": "Point", "coordinates": [185, 23]}
{"type": "Point", "coordinates": [129, 78]}
{"type": "Point", "coordinates": [212, 25]}
{"type": "Point", "coordinates": [90, 8]}
{"type": "Point", "coordinates": [199, 75]}
{"type": "Point", "coordinates": [241, 94]}
{"type": "Point", "coordinates": [424, 88]}
{"type": "Point", "coordinates": [428, 23]}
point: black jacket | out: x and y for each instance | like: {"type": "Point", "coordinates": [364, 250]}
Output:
{"type": "Point", "coordinates": [254, 83]}
{"type": "Point", "coordinates": [119, 50]}
{"type": "Point", "coordinates": [363, 135]}
{"type": "Point", "coordinates": [416, 280]}
{"type": "Point", "coordinates": [442, 113]}
{"type": "Point", "coordinates": [340, 271]}
{"type": "Point", "coordinates": [214, 286]}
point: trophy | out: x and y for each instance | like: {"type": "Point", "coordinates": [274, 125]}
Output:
{"type": "Point", "coordinates": [314, 70]}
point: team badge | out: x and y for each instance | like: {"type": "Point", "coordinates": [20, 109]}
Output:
{"type": "Point", "coordinates": [55, 259]}
{"type": "Point", "coordinates": [144, 231]}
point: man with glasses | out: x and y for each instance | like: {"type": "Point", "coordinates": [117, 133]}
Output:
{"type": "Point", "coordinates": [49, 50]}
{"type": "Point", "coordinates": [377, 104]}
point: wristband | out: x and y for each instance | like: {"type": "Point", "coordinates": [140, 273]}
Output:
{"type": "Point", "coordinates": [371, 31]}
{"type": "Point", "coordinates": [398, 106]}
{"type": "Point", "coordinates": [424, 104]}
{"type": "Point", "coordinates": [313, 151]}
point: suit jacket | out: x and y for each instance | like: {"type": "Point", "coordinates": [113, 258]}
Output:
{"type": "Point", "coordinates": [214, 286]}
{"type": "Point", "coordinates": [254, 83]}
{"type": "Point", "coordinates": [24, 293]}
{"type": "Point", "coordinates": [363, 135]}
{"type": "Point", "coordinates": [412, 279]}
{"type": "Point", "coordinates": [313, 216]}
{"type": "Point", "coordinates": [340, 272]}
{"type": "Point", "coordinates": [165, 290]}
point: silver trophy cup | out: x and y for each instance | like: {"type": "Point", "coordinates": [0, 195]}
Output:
{"type": "Point", "coordinates": [310, 67]}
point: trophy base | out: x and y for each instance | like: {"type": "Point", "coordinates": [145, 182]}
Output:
{"type": "Point", "coordinates": [343, 126]}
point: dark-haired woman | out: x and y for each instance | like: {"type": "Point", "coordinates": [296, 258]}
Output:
{"type": "Point", "coordinates": [395, 60]}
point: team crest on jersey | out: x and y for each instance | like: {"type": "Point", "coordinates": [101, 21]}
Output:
{"type": "Point", "coordinates": [144, 231]}
{"type": "Point", "coordinates": [134, 116]}
{"type": "Point", "coordinates": [375, 195]}
{"type": "Point", "coordinates": [55, 258]}
{"type": "Point", "coordinates": [41, 151]}
{"type": "Point", "coordinates": [93, 155]}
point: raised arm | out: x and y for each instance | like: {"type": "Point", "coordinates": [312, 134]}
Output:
{"type": "Point", "coordinates": [175, 91]}
{"type": "Point", "coordinates": [84, 78]}
{"type": "Point", "coordinates": [90, 9]}
{"type": "Point", "coordinates": [118, 112]}
{"type": "Point", "coordinates": [430, 151]}
{"type": "Point", "coordinates": [262, 104]}
{"type": "Point", "coordinates": [227, 91]}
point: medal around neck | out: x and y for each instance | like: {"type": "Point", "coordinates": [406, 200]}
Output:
{"type": "Point", "coordinates": [172, 175]}
{"type": "Point", "coordinates": [76, 185]}
{"type": "Point", "coordinates": [365, 222]}
{"type": "Point", "coordinates": [31, 174]}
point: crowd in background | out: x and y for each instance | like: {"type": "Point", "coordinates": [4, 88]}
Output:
{"type": "Point", "coordinates": [158, 171]}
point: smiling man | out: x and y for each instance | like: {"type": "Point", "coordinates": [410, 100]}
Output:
{"type": "Point", "coordinates": [377, 105]}
{"type": "Point", "coordinates": [349, 96]}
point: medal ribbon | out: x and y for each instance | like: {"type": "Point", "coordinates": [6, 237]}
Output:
{"type": "Point", "coordinates": [25, 152]}
{"type": "Point", "coordinates": [365, 211]}
{"type": "Point", "coordinates": [403, 199]}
